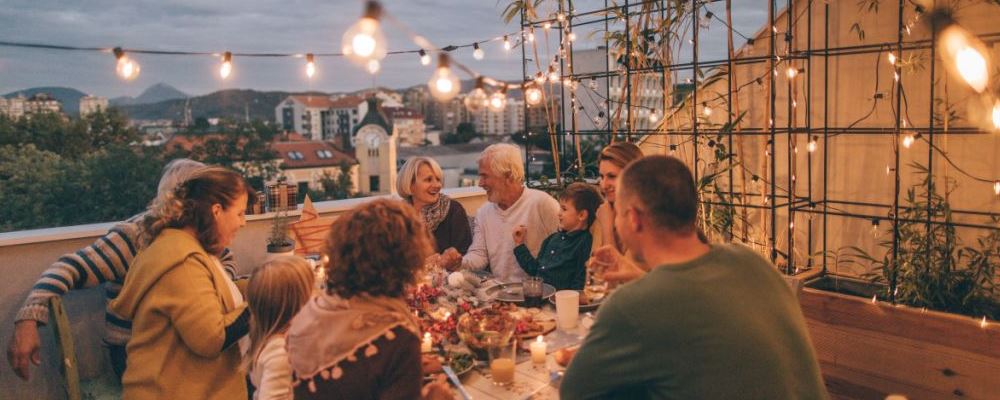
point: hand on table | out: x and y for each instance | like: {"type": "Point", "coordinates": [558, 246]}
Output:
{"type": "Point", "coordinates": [450, 259]}
{"type": "Point", "coordinates": [519, 233]}
{"type": "Point", "coordinates": [437, 389]}
{"type": "Point", "coordinates": [24, 348]}
{"type": "Point", "coordinates": [612, 266]}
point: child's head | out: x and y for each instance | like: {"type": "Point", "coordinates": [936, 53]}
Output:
{"type": "Point", "coordinates": [275, 293]}
{"type": "Point", "coordinates": [578, 206]}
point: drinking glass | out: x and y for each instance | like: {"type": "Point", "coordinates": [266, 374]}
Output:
{"type": "Point", "coordinates": [533, 290]}
{"type": "Point", "coordinates": [567, 308]}
{"type": "Point", "coordinates": [502, 359]}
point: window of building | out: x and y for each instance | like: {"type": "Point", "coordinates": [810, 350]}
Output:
{"type": "Point", "coordinates": [324, 154]}
{"type": "Point", "coordinates": [373, 183]}
{"type": "Point", "coordinates": [295, 155]}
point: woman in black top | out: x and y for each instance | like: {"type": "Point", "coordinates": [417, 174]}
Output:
{"type": "Point", "coordinates": [419, 183]}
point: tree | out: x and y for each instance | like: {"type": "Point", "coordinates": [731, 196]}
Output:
{"type": "Point", "coordinates": [334, 188]}
{"type": "Point", "coordinates": [464, 132]}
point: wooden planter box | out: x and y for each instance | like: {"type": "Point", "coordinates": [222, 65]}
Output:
{"type": "Point", "coordinates": [869, 350]}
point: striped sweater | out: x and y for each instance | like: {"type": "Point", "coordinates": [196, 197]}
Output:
{"type": "Point", "coordinates": [105, 262]}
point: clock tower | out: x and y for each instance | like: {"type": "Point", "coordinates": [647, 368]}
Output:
{"type": "Point", "coordinates": [375, 149]}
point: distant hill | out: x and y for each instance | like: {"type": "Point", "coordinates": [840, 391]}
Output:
{"type": "Point", "coordinates": [154, 94]}
{"type": "Point", "coordinates": [232, 103]}
{"type": "Point", "coordinates": [69, 97]}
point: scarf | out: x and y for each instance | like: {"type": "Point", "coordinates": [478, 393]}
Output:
{"type": "Point", "coordinates": [435, 212]}
{"type": "Point", "coordinates": [330, 329]}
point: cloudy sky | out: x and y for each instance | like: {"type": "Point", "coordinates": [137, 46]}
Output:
{"type": "Point", "coordinates": [290, 26]}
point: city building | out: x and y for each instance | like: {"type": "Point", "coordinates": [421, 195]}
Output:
{"type": "Point", "coordinates": [305, 163]}
{"type": "Point", "coordinates": [409, 124]}
{"type": "Point", "coordinates": [375, 151]}
{"type": "Point", "coordinates": [505, 122]}
{"type": "Point", "coordinates": [92, 104]}
{"type": "Point", "coordinates": [309, 115]}
{"type": "Point", "coordinates": [647, 93]}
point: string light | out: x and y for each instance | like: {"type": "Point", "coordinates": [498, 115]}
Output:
{"type": "Point", "coordinates": [546, 25]}
{"type": "Point", "coordinates": [673, 149]}
{"type": "Point", "coordinates": [310, 65]}
{"type": "Point", "coordinates": [364, 41]}
{"type": "Point", "coordinates": [533, 95]}
{"type": "Point", "coordinates": [996, 187]}
{"type": "Point", "coordinates": [425, 59]}
{"type": "Point", "coordinates": [996, 115]}
{"type": "Point", "coordinates": [443, 84]}
{"type": "Point", "coordinates": [908, 140]}
{"type": "Point", "coordinates": [571, 36]}
{"type": "Point", "coordinates": [964, 54]}
{"type": "Point", "coordinates": [792, 72]}
{"type": "Point", "coordinates": [654, 116]}
{"type": "Point", "coordinates": [498, 100]}
{"type": "Point", "coordinates": [811, 147]}
{"type": "Point", "coordinates": [553, 75]}
{"type": "Point", "coordinates": [227, 65]}
{"type": "Point", "coordinates": [539, 78]}
{"type": "Point", "coordinates": [476, 99]}
{"type": "Point", "coordinates": [125, 67]}
{"type": "Point", "coordinates": [706, 110]}
{"type": "Point", "coordinates": [892, 59]}
{"type": "Point", "coordinates": [874, 227]}
{"type": "Point", "coordinates": [506, 43]}
{"type": "Point", "coordinates": [477, 53]}
{"type": "Point", "coordinates": [560, 17]}
{"type": "Point", "coordinates": [531, 36]}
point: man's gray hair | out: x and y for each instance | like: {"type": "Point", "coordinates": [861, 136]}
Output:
{"type": "Point", "coordinates": [175, 173]}
{"type": "Point", "coordinates": [505, 160]}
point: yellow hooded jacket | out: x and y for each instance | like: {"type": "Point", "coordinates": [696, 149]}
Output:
{"type": "Point", "coordinates": [180, 307]}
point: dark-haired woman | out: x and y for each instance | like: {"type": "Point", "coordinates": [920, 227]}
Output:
{"type": "Point", "coordinates": [187, 315]}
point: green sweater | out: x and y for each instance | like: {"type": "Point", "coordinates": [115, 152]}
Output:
{"type": "Point", "coordinates": [561, 260]}
{"type": "Point", "coordinates": [722, 326]}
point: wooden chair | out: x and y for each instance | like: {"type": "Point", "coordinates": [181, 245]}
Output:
{"type": "Point", "coordinates": [67, 352]}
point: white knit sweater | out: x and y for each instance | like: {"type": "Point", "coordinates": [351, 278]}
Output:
{"type": "Point", "coordinates": [492, 241]}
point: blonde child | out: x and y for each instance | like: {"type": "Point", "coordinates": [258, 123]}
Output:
{"type": "Point", "coordinates": [276, 292]}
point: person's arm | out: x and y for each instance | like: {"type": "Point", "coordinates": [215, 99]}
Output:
{"type": "Point", "coordinates": [610, 358]}
{"type": "Point", "coordinates": [580, 255]}
{"type": "Point", "coordinates": [404, 375]}
{"type": "Point", "coordinates": [477, 258]}
{"type": "Point", "coordinates": [187, 295]}
{"type": "Point", "coordinates": [228, 261]}
{"type": "Point", "coordinates": [524, 258]}
{"type": "Point", "coordinates": [276, 372]}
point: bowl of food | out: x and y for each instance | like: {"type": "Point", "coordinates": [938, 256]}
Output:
{"type": "Point", "coordinates": [480, 329]}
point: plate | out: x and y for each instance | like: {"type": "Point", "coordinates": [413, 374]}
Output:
{"type": "Point", "coordinates": [514, 292]}
{"type": "Point", "coordinates": [461, 363]}
{"type": "Point", "coordinates": [586, 307]}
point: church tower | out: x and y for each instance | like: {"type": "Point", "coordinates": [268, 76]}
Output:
{"type": "Point", "coordinates": [375, 149]}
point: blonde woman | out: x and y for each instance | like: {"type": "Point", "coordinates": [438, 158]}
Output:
{"type": "Point", "coordinates": [187, 315]}
{"type": "Point", "coordinates": [275, 293]}
{"type": "Point", "coordinates": [419, 183]}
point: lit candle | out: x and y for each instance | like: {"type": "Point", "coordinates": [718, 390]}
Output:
{"type": "Point", "coordinates": [538, 348]}
{"type": "Point", "coordinates": [427, 345]}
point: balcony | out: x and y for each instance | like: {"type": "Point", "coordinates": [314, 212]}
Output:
{"type": "Point", "coordinates": [25, 255]}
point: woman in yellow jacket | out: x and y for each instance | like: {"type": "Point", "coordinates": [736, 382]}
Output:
{"type": "Point", "coordinates": [187, 316]}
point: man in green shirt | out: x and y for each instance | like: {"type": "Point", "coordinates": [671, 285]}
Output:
{"type": "Point", "coordinates": [707, 322]}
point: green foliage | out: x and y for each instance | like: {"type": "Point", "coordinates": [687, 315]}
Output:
{"type": "Point", "coordinates": [245, 147]}
{"type": "Point", "coordinates": [334, 187]}
{"type": "Point", "coordinates": [464, 133]}
{"type": "Point", "coordinates": [933, 268]}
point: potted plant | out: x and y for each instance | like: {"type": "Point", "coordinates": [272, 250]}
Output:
{"type": "Point", "coordinates": [278, 241]}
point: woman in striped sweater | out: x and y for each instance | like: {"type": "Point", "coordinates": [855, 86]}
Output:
{"type": "Point", "coordinates": [106, 262]}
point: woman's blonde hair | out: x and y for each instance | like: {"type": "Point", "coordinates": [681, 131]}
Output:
{"type": "Point", "coordinates": [505, 160]}
{"type": "Point", "coordinates": [190, 205]}
{"type": "Point", "coordinates": [276, 292]}
{"type": "Point", "coordinates": [620, 154]}
{"type": "Point", "coordinates": [408, 175]}
{"type": "Point", "coordinates": [376, 249]}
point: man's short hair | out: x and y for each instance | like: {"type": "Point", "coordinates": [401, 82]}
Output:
{"type": "Point", "coordinates": [663, 187]}
{"type": "Point", "coordinates": [583, 197]}
{"type": "Point", "coordinates": [505, 160]}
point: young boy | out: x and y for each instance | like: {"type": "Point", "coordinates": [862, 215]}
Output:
{"type": "Point", "coordinates": [561, 259]}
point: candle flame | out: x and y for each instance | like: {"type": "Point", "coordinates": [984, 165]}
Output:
{"type": "Point", "coordinates": [874, 298]}
{"type": "Point", "coordinates": [983, 323]}
{"type": "Point", "coordinates": [539, 339]}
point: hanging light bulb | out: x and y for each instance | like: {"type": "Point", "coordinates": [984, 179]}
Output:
{"type": "Point", "coordinates": [310, 65]}
{"type": "Point", "coordinates": [571, 36]}
{"type": "Point", "coordinates": [908, 140]}
{"type": "Point", "coordinates": [706, 110]}
{"type": "Point", "coordinates": [892, 59]}
{"type": "Point", "coordinates": [425, 59]}
{"type": "Point", "coordinates": [531, 36]}
{"type": "Point", "coordinates": [996, 188]}
{"type": "Point", "coordinates": [373, 66]}
{"type": "Point", "coordinates": [560, 17]}
{"type": "Point", "coordinates": [125, 67]}
{"type": "Point", "coordinates": [875, 227]}
{"type": "Point", "coordinates": [546, 25]}
{"type": "Point", "coordinates": [792, 72]}
{"type": "Point", "coordinates": [364, 40]}
{"type": "Point", "coordinates": [654, 116]}
{"type": "Point", "coordinates": [477, 53]}
{"type": "Point", "coordinates": [553, 75]}
{"type": "Point", "coordinates": [533, 95]}
{"type": "Point", "coordinates": [227, 65]}
{"type": "Point", "coordinates": [498, 100]}
{"type": "Point", "coordinates": [476, 99]}
{"type": "Point", "coordinates": [539, 78]}
{"type": "Point", "coordinates": [506, 43]}
{"type": "Point", "coordinates": [964, 54]}
{"type": "Point", "coordinates": [996, 115]}
{"type": "Point", "coordinates": [811, 147]}
{"type": "Point", "coordinates": [443, 84]}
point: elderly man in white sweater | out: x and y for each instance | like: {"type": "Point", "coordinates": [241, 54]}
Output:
{"type": "Point", "coordinates": [501, 174]}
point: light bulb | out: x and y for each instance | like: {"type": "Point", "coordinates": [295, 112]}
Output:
{"type": "Point", "coordinates": [506, 43]}
{"type": "Point", "coordinates": [477, 53]}
{"type": "Point", "coordinates": [553, 75]}
{"type": "Point", "coordinates": [498, 100]}
{"type": "Point", "coordinates": [533, 95]}
{"type": "Point", "coordinates": [364, 40]}
{"type": "Point", "coordinates": [443, 84]}
{"type": "Point", "coordinates": [792, 72]}
{"type": "Point", "coordinates": [476, 100]}
{"type": "Point", "coordinates": [125, 67]}
{"type": "Point", "coordinates": [996, 115]}
{"type": "Point", "coordinates": [892, 59]}
{"type": "Point", "coordinates": [996, 188]}
{"type": "Point", "coordinates": [539, 78]}
{"type": "Point", "coordinates": [546, 25]}
{"type": "Point", "coordinates": [531, 36]}
{"type": "Point", "coordinates": [227, 65]}
{"type": "Point", "coordinates": [707, 111]}
{"type": "Point", "coordinates": [571, 36]}
{"type": "Point", "coordinates": [425, 59]}
{"type": "Point", "coordinates": [908, 141]}
{"type": "Point", "coordinates": [310, 65]}
{"type": "Point", "coordinates": [653, 116]}
{"type": "Point", "coordinates": [964, 56]}
{"type": "Point", "coordinates": [373, 66]}
{"type": "Point", "coordinates": [811, 147]}
{"type": "Point", "coordinates": [560, 17]}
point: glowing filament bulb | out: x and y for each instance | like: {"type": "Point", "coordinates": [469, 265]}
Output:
{"type": "Point", "coordinates": [425, 59]}
{"type": "Point", "coordinates": [227, 65]}
{"type": "Point", "coordinates": [996, 115]}
{"type": "Point", "coordinates": [506, 43]}
{"type": "Point", "coordinates": [533, 95]}
{"type": "Point", "coordinates": [477, 98]}
{"type": "Point", "coordinates": [908, 140]}
{"type": "Point", "coordinates": [310, 65]}
{"type": "Point", "coordinates": [571, 36]}
{"type": "Point", "coordinates": [125, 67]}
{"type": "Point", "coordinates": [364, 40]}
{"type": "Point", "coordinates": [972, 67]}
{"type": "Point", "coordinates": [963, 54]}
{"type": "Point", "coordinates": [792, 72]}
{"type": "Point", "coordinates": [996, 188]}
{"type": "Point", "coordinates": [892, 59]}
{"type": "Point", "coordinates": [706, 110]}
{"type": "Point", "coordinates": [654, 116]}
{"type": "Point", "coordinates": [443, 84]}
{"type": "Point", "coordinates": [811, 147]}
{"type": "Point", "coordinates": [531, 36]}
{"type": "Point", "coordinates": [498, 101]}
{"type": "Point", "coordinates": [546, 25]}
{"type": "Point", "coordinates": [477, 53]}
{"type": "Point", "coordinates": [560, 17]}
